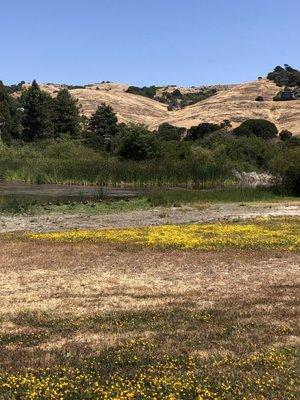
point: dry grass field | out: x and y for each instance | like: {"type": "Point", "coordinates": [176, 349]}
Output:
{"type": "Point", "coordinates": [237, 103]}
{"type": "Point", "coordinates": [234, 102]}
{"type": "Point", "coordinates": [101, 320]}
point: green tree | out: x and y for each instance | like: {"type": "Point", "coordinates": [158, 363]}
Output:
{"type": "Point", "coordinates": [102, 127]}
{"type": "Point", "coordinates": [137, 143]}
{"type": "Point", "coordinates": [9, 117]}
{"type": "Point", "coordinates": [168, 132]}
{"type": "Point", "coordinates": [66, 117]}
{"type": "Point", "coordinates": [199, 131]}
{"type": "Point", "coordinates": [257, 127]}
{"type": "Point", "coordinates": [287, 76]}
{"type": "Point", "coordinates": [37, 119]}
{"type": "Point", "coordinates": [286, 164]}
{"type": "Point", "coordinates": [144, 91]}
{"type": "Point", "coordinates": [285, 135]}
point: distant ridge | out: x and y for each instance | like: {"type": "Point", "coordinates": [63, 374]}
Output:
{"type": "Point", "coordinates": [235, 102]}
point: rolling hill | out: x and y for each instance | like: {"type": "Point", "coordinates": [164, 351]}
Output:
{"type": "Point", "coordinates": [234, 102]}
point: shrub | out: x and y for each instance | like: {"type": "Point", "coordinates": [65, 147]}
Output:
{"type": "Point", "coordinates": [291, 180]}
{"type": "Point", "coordinates": [259, 98]}
{"type": "Point", "coordinates": [169, 132]}
{"type": "Point", "coordinates": [257, 127]}
{"type": "Point", "coordinates": [288, 167]}
{"type": "Point", "coordinates": [226, 124]}
{"type": "Point", "coordinates": [144, 91]}
{"type": "Point", "coordinates": [137, 143]}
{"type": "Point", "coordinates": [287, 76]}
{"type": "Point", "coordinates": [285, 135]}
{"type": "Point", "coordinates": [177, 99]}
{"type": "Point", "coordinates": [177, 93]}
{"type": "Point", "coordinates": [199, 131]}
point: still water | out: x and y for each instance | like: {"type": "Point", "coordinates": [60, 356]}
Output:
{"type": "Point", "coordinates": [19, 194]}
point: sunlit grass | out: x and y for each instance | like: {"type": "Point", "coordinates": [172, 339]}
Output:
{"type": "Point", "coordinates": [226, 353]}
{"type": "Point", "coordinates": [263, 375]}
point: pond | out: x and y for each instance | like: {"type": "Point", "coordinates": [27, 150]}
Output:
{"type": "Point", "coordinates": [14, 196]}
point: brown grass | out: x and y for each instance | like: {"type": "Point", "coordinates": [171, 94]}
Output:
{"type": "Point", "coordinates": [234, 102]}
{"type": "Point", "coordinates": [83, 278]}
{"type": "Point", "coordinates": [108, 309]}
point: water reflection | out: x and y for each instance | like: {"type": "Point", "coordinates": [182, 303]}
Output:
{"type": "Point", "coordinates": [19, 196]}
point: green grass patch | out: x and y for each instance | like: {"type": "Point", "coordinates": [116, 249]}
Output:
{"type": "Point", "coordinates": [103, 207]}
{"type": "Point", "coordinates": [234, 195]}
{"type": "Point", "coordinates": [158, 198]}
{"type": "Point", "coordinates": [22, 205]}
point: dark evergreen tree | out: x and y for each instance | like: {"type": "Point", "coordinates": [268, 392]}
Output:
{"type": "Point", "coordinates": [37, 118]}
{"type": "Point", "coordinates": [102, 127]}
{"type": "Point", "coordinates": [66, 118]}
{"type": "Point", "coordinates": [9, 117]}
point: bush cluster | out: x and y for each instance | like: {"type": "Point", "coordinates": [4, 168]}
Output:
{"type": "Point", "coordinates": [286, 76]}
{"type": "Point", "coordinates": [144, 91]}
{"type": "Point", "coordinates": [175, 99]}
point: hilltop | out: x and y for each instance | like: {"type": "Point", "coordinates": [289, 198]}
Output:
{"type": "Point", "coordinates": [235, 102]}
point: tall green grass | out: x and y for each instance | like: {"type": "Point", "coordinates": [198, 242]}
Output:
{"type": "Point", "coordinates": [240, 195]}
{"type": "Point", "coordinates": [73, 163]}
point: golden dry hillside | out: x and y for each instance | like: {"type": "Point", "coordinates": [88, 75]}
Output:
{"type": "Point", "coordinates": [237, 103]}
{"type": "Point", "coordinates": [129, 107]}
{"type": "Point", "coordinates": [233, 102]}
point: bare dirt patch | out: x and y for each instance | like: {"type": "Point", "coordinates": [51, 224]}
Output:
{"type": "Point", "coordinates": [152, 217]}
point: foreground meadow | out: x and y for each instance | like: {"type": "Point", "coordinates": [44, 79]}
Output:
{"type": "Point", "coordinates": [170, 312]}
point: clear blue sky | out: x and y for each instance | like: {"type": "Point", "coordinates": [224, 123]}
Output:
{"type": "Point", "coordinates": [143, 42]}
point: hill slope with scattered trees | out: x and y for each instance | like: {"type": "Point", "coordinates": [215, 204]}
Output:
{"type": "Point", "coordinates": [235, 103]}
{"type": "Point", "coordinates": [46, 139]}
{"type": "Point", "coordinates": [186, 107]}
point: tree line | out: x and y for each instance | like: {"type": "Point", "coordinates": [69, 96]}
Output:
{"type": "Point", "coordinates": [35, 117]}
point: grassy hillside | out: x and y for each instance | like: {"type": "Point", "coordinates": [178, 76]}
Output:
{"type": "Point", "coordinates": [234, 102]}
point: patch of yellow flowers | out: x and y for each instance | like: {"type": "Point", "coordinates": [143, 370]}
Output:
{"type": "Point", "coordinates": [168, 380]}
{"type": "Point", "coordinates": [263, 233]}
